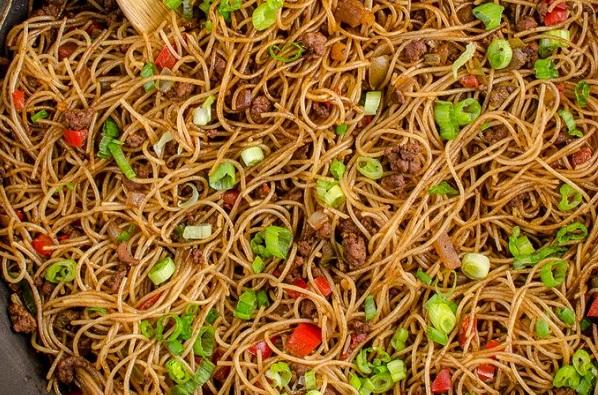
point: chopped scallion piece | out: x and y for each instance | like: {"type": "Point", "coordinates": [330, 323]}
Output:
{"type": "Point", "coordinates": [162, 270]}
{"type": "Point", "coordinates": [96, 310]}
{"type": "Point", "coordinates": [289, 52]}
{"type": "Point", "coordinates": [62, 271]}
{"type": "Point", "coordinates": [177, 371]}
{"type": "Point", "coordinates": [205, 343]}
{"type": "Point", "coordinates": [262, 299]}
{"type": "Point", "coordinates": [444, 115]}
{"type": "Point", "coordinates": [310, 379]}
{"type": "Point", "coordinates": [465, 57]}
{"type": "Point", "coordinates": [570, 197]}
{"type": "Point", "coordinates": [212, 316]}
{"type": "Point", "coordinates": [361, 360]}
{"type": "Point", "coordinates": [381, 382]}
{"type": "Point", "coordinates": [370, 308]}
{"type": "Point", "coordinates": [264, 15]}
{"type": "Point", "coordinates": [397, 370]}
{"type": "Point", "coordinates": [475, 266]}
{"type": "Point", "coordinates": [399, 339]}
{"type": "Point", "coordinates": [252, 156]}
{"type": "Point", "coordinates": [330, 193]}
{"type": "Point", "coordinates": [519, 245]}
{"type": "Point", "coordinates": [582, 362]}
{"type": "Point", "coordinates": [542, 329]}
{"type": "Point", "coordinates": [159, 146]}
{"type": "Point", "coordinates": [121, 161]}
{"type": "Point", "coordinates": [441, 314]}
{"type": "Point", "coordinates": [341, 129]}
{"type": "Point", "coordinates": [549, 45]}
{"type": "Point", "coordinates": [223, 177]}
{"type": "Point", "coordinates": [227, 6]}
{"type": "Point", "coordinates": [175, 347]}
{"type": "Point", "coordinates": [443, 188]}
{"type": "Point", "coordinates": [566, 315]}
{"type": "Point", "coordinates": [574, 231]}
{"type": "Point", "coordinates": [203, 115]}
{"type": "Point", "coordinates": [337, 169]}
{"type": "Point", "coordinates": [149, 70]}
{"type": "Point", "coordinates": [582, 94]}
{"type": "Point", "coordinates": [197, 232]}
{"type": "Point", "coordinates": [246, 305]}
{"type": "Point", "coordinates": [146, 329]}
{"type": "Point", "coordinates": [126, 235]}
{"type": "Point", "coordinates": [274, 241]}
{"type": "Point", "coordinates": [545, 69]}
{"type": "Point", "coordinates": [437, 336]}
{"type": "Point", "coordinates": [109, 134]}
{"type": "Point", "coordinates": [566, 376]}
{"type": "Point", "coordinates": [370, 167]}
{"type": "Point", "coordinates": [467, 111]}
{"type": "Point", "coordinates": [372, 102]}
{"type": "Point", "coordinates": [570, 123]}
{"type": "Point", "coordinates": [280, 374]}
{"type": "Point", "coordinates": [423, 277]}
{"type": "Point", "coordinates": [490, 14]}
{"type": "Point", "coordinates": [522, 261]}
{"type": "Point", "coordinates": [42, 114]}
{"type": "Point", "coordinates": [187, 9]}
{"type": "Point", "coordinates": [554, 273]}
{"type": "Point", "coordinates": [499, 53]}
{"type": "Point", "coordinates": [258, 265]}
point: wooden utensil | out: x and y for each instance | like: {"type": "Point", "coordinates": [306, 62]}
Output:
{"type": "Point", "coordinates": [144, 15]}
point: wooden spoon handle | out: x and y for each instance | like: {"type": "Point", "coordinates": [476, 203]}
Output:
{"type": "Point", "coordinates": [144, 15]}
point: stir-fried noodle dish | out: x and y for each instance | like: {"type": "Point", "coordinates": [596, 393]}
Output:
{"type": "Point", "coordinates": [305, 197]}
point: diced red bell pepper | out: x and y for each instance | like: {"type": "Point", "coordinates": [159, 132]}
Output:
{"type": "Point", "coordinates": [146, 304]}
{"type": "Point", "coordinates": [298, 282]}
{"type": "Point", "coordinates": [75, 138]}
{"type": "Point", "coordinates": [492, 344]}
{"type": "Point", "coordinates": [593, 312]}
{"type": "Point", "coordinates": [20, 214]}
{"type": "Point", "coordinates": [486, 372]}
{"type": "Point", "coordinates": [304, 340]}
{"type": "Point", "coordinates": [470, 81]}
{"type": "Point", "coordinates": [442, 382]}
{"type": "Point", "coordinates": [556, 16]}
{"type": "Point", "coordinates": [467, 330]}
{"type": "Point", "coordinates": [261, 347]}
{"type": "Point", "coordinates": [230, 197]}
{"type": "Point", "coordinates": [323, 285]}
{"type": "Point", "coordinates": [40, 243]}
{"type": "Point", "coordinates": [165, 59]}
{"type": "Point", "coordinates": [18, 99]}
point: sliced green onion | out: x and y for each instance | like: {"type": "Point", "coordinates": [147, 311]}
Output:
{"type": "Point", "coordinates": [369, 306]}
{"type": "Point", "coordinates": [443, 188]}
{"type": "Point", "coordinates": [246, 305]}
{"type": "Point", "coordinates": [330, 193]}
{"type": "Point", "coordinates": [545, 69]}
{"type": "Point", "coordinates": [280, 374]}
{"type": "Point", "coordinates": [382, 382]}
{"type": "Point", "coordinates": [264, 15]}
{"type": "Point", "coordinates": [293, 49]}
{"type": "Point", "coordinates": [313, 392]}
{"type": "Point", "coordinates": [367, 387]}
{"type": "Point", "coordinates": [370, 167]}
{"type": "Point", "coordinates": [586, 384]}
{"type": "Point", "coordinates": [146, 329]}
{"type": "Point", "coordinates": [121, 161]}
{"type": "Point", "coordinates": [197, 232]}
{"type": "Point", "coordinates": [126, 235]}
{"type": "Point", "coordinates": [62, 271]}
{"type": "Point", "coordinates": [162, 271]}
{"type": "Point", "coordinates": [522, 261]}
{"type": "Point", "coordinates": [570, 197]}
{"type": "Point", "coordinates": [205, 343]}
{"type": "Point", "coordinates": [187, 9]}
{"type": "Point", "coordinates": [159, 146]}
{"type": "Point", "coordinates": [554, 273]}
{"type": "Point", "coordinates": [570, 123]}
{"type": "Point", "coordinates": [172, 4]}
{"type": "Point", "coordinates": [223, 177]}
{"type": "Point", "coordinates": [582, 362]}
{"type": "Point", "coordinates": [423, 277]}
{"type": "Point", "coordinates": [193, 199]}
{"type": "Point", "coordinates": [205, 6]}
{"type": "Point", "coordinates": [109, 134]}
{"type": "Point", "coordinates": [354, 381]}
{"type": "Point", "coordinates": [252, 156]}
{"type": "Point", "coordinates": [582, 93]}
{"type": "Point", "coordinates": [209, 26]}
{"type": "Point", "coordinates": [441, 316]}
{"type": "Point", "coordinates": [399, 339]}
{"type": "Point", "coordinates": [177, 326]}
{"type": "Point", "coordinates": [337, 169]}
{"type": "Point", "coordinates": [361, 360]}
{"type": "Point", "coordinates": [42, 114]}
{"type": "Point", "coordinates": [467, 111]}
{"type": "Point", "coordinates": [566, 376]}
{"type": "Point", "coordinates": [549, 45]}
{"type": "Point", "coordinates": [258, 265]}
{"type": "Point", "coordinates": [566, 315]}
{"type": "Point", "coordinates": [204, 372]}
{"type": "Point", "coordinates": [96, 310]}
{"type": "Point", "coordinates": [203, 115]}
{"type": "Point", "coordinates": [177, 371]}
{"type": "Point", "coordinates": [397, 370]}
{"type": "Point", "coordinates": [341, 129]}
{"type": "Point", "coordinates": [437, 335]}
{"type": "Point", "coordinates": [227, 6]}
{"type": "Point", "coordinates": [149, 70]}
{"type": "Point", "coordinates": [444, 115]}
{"type": "Point", "coordinates": [262, 299]}
{"type": "Point", "coordinates": [175, 347]}
{"type": "Point", "coordinates": [519, 245]}
{"type": "Point", "coordinates": [574, 231]}
{"type": "Point", "coordinates": [542, 329]}
{"type": "Point", "coordinates": [310, 379]}
{"type": "Point", "coordinates": [465, 57]}
{"type": "Point", "coordinates": [381, 357]}
{"type": "Point", "coordinates": [212, 316]}
{"type": "Point", "coordinates": [372, 102]}
{"type": "Point", "coordinates": [585, 324]}
{"type": "Point", "coordinates": [274, 241]}
{"type": "Point", "coordinates": [475, 266]}
{"type": "Point", "coordinates": [499, 53]}
{"type": "Point", "coordinates": [490, 14]}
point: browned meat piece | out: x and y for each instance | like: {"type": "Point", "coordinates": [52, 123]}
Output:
{"type": "Point", "coordinates": [499, 95]}
{"type": "Point", "coordinates": [262, 191]}
{"type": "Point", "coordinates": [399, 86]}
{"type": "Point", "coordinates": [181, 91]}
{"type": "Point", "coordinates": [113, 283]}
{"type": "Point", "coordinates": [370, 225]}
{"type": "Point", "coordinates": [353, 13]}
{"type": "Point", "coordinates": [196, 256]}
{"type": "Point", "coordinates": [354, 249]}
{"type": "Point", "coordinates": [465, 14]}
{"type": "Point", "coordinates": [78, 119]}
{"type": "Point", "coordinates": [404, 158]}
{"type": "Point", "coordinates": [296, 269]}
{"type": "Point", "coordinates": [526, 23]}
{"type": "Point", "coordinates": [301, 152]}
{"type": "Point", "coordinates": [495, 134]}
{"type": "Point", "coordinates": [22, 320]}
{"type": "Point", "coordinates": [358, 332]}
{"type": "Point", "coordinates": [49, 8]}
{"type": "Point", "coordinates": [218, 68]}
{"type": "Point", "coordinates": [314, 44]}
{"type": "Point", "coordinates": [442, 51]}
{"type": "Point", "coordinates": [65, 369]}
{"type": "Point", "coordinates": [347, 226]}
{"type": "Point", "coordinates": [321, 110]}
{"type": "Point", "coordinates": [143, 170]}
{"type": "Point", "coordinates": [393, 183]}
{"type": "Point", "coordinates": [65, 318]}
{"type": "Point", "coordinates": [134, 199]}
{"type": "Point", "coordinates": [415, 50]}
{"type": "Point", "coordinates": [518, 200]}
{"type": "Point", "coordinates": [260, 105]}
{"type": "Point", "coordinates": [543, 9]}
{"type": "Point", "coordinates": [67, 49]}
{"type": "Point", "coordinates": [132, 186]}
{"type": "Point", "coordinates": [243, 99]}
{"type": "Point", "coordinates": [563, 138]}
{"type": "Point", "coordinates": [531, 51]}
{"type": "Point", "coordinates": [135, 139]}
{"type": "Point", "coordinates": [582, 156]}
{"type": "Point", "coordinates": [305, 246]}
{"type": "Point", "coordinates": [308, 309]}
{"type": "Point", "coordinates": [44, 287]}
{"type": "Point", "coordinates": [519, 59]}
{"type": "Point", "coordinates": [125, 256]}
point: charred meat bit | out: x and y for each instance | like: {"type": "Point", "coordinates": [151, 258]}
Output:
{"type": "Point", "coordinates": [353, 242]}
{"type": "Point", "coordinates": [443, 52]}
{"type": "Point", "coordinates": [353, 13]}
{"type": "Point", "coordinates": [495, 134]}
{"type": "Point", "coordinates": [66, 50]}
{"type": "Point", "coordinates": [531, 51]}
{"type": "Point", "coordinates": [415, 50]}
{"type": "Point", "coordinates": [196, 256]}
{"type": "Point", "coordinates": [358, 332]}
{"type": "Point", "coordinates": [78, 119]}
{"type": "Point", "coordinates": [44, 287]}
{"type": "Point", "coordinates": [582, 156]}
{"type": "Point", "coordinates": [125, 256]}
{"type": "Point", "coordinates": [526, 23]}
{"type": "Point", "coordinates": [399, 86]}
{"type": "Point", "coordinates": [404, 158]}
{"type": "Point", "coordinates": [49, 8]}
{"type": "Point", "coordinates": [262, 191]}
{"type": "Point", "coordinates": [519, 59]}
{"type": "Point", "coordinates": [308, 309]}
{"type": "Point", "coordinates": [393, 183]}
{"type": "Point", "coordinates": [65, 318]}
{"type": "Point", "coordinates": [314, 44]}
{"type": "Point", "coordinates": [135, 139]}
{"type": "Point", "coordinates": [65, 369]}
{"type": "Point", "coordinates": [499, 95]}
{"type": "Point", "coordinates": [321, 110]}
{"type": "Point", "coordinates": [22, 320]}
{"type": "Point", "coordinates": [218, 67]}
{"type": "Point", "coordinates": [518, 200]}
{"type": "Point", "coordinates": [243, 99]}
{"type": "Point", "coordinates": [181, 91]}
{"type": "Point", "coordinates": [143, 170]}
{"type": "Point", "coordinates": [465, 14]}
{"type": "Point", "coordinates": [260, 105]}
{"type": "Point", "coordinates": [114, 281]}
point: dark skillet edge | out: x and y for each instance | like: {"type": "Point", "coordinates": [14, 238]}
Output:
{"type": "Point", "coordinates": [12, 12]}
{"type": "Point", "coordinates": [23, 371]}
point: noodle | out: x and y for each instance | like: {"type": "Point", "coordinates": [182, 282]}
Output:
{"type": "Point", "coordinates": [506, 167]}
